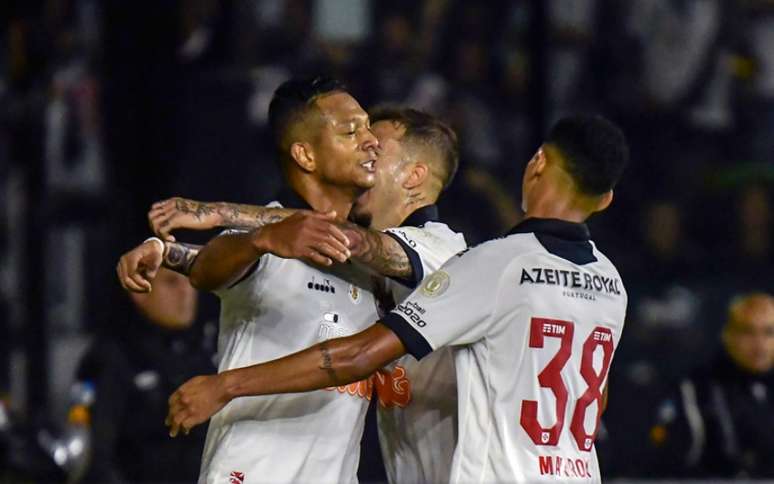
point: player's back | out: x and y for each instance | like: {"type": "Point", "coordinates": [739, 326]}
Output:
{"type": "Point", "coordinates": [534, 318]}
{"type": "Point", "coordinates": [543, 366]}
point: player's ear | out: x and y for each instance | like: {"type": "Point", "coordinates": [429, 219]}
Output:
{"type": "Point", "coordinates": [418, 173]}
{"type": "Point", "coordinates": [540, 161]}
{"type": "Point", "coordinates": [303, 155]}
{"type": "Point", "coordinates": [604, 201]}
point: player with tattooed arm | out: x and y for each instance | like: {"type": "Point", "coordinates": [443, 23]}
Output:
{"type": "Point", "coordinates": [417, 159]}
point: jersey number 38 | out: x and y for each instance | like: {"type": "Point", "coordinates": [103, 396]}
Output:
{"type": "Point", "coordinates": [551, 378]}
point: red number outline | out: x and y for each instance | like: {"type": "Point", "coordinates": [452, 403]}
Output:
{"type": "Point", "coordinates": [551, 377]}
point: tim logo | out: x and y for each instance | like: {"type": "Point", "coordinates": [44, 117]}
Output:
{"type": "Point", "coordinates": [236, 478]}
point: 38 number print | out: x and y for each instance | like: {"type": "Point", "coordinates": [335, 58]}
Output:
{"type": "Point", "coordinates": [551, 378]}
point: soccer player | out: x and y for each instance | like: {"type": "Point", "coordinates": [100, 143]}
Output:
{"type": "Point", "coordinates": [273, 305]}
{"type": "Point", "coordinates": [534, 317]}
{"type": "Point", "coordinates": [417, 160]}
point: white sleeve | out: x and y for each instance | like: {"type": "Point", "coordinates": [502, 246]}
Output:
{"type": "Point", "coordinates": [452, 306]}
{"type": "Point", "coordinates": [427, 248]}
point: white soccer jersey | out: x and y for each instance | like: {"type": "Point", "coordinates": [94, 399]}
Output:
{"type": "Point", "coordinates": [282, 307]}
{"type": "Point", "coordinates": [535, 318]}
{"type": "Point", "coordinates": [417, 411]}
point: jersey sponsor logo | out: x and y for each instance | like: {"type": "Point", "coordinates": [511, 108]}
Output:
{"type": "Point", "coordinates": [413, 312]}
{"type": "Point", "coordinates": [554, 465]}
{"type": "Point", "coordinates": [330, 328]}
{"type": "Point", "coordinates": [236, 477]}
{"type": "Point", "coordinates": [436, 284]}
{"type": "Point", "coordinates": [572, 279]}
{"type": "Point", "coordinates": [392, 388]}
{"type": "Point", "coordinates": [361, 389]}
{"type": "Point", "coordinates": [324, 286]}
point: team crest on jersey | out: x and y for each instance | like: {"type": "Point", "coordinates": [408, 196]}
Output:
{"type": "Point", "coordinates": [355, 294]}
{"type": "Point", "coordinates": [436, 284]}
{"type": "Point", "coordinates": [236, 477]}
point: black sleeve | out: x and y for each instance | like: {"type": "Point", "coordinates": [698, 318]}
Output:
{"type": "Point", "coordinates": [415, 343]}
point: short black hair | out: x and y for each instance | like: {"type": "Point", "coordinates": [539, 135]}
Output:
{"type": "Point", "coordinates": [594, 150]}
{"type": "Point", "coordinates": [292, 99]}
{"type": "Point", "coordinates": [427, 130]}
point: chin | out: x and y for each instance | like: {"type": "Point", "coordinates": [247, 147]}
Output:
{"type": "Point", "coordinates": [367, 182]}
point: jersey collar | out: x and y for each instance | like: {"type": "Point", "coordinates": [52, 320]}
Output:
{"type": "Point", "coordinates": [290, 199]}
{"type": "Point", "coordinates": [550, 226]}
{"type": "Point", "coordinates": [420, 216]}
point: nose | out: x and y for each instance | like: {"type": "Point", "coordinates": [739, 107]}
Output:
{"type": "Point", "coordinates": [370, 142]}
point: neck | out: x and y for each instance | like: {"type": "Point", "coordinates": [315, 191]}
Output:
{"type": "Point", "coordinates": [397, 213]}
{"type": "Point", "coordinates": [324, 198]}
{"type": "Point", "coordinates": [558, 205]}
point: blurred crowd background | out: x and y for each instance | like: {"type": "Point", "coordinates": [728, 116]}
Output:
{"type": "Point", "coordinates": [108, 106]}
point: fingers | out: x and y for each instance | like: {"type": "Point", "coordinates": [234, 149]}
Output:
{"type": "Point", "coordinates": [138, 279]}
{"type": "Point", "coordinates": [319, 259]}
{"type": "Point", "coordinates": [161, 217]}
{"type": "Point", "coordinates": [333, 249]}
{"type": "Point", "coordinates": [338, 234]}
{"type": "Point", "coordinates": [181, 415]}
{"type": "Point", "coordinates": [128, 279]}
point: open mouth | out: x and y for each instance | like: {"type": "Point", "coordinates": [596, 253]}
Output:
{"type": "Point", "coordinates": [369, 165]}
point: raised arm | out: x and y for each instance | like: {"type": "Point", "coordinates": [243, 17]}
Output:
{"type": "Point", "coordinates": [334, 362]}
{"type": "Point", "coordinates": [305, 235]}
{"type": "Point", "coordinates": [374, 249]}
{"type": "Point", "coordinates": [181, 213]}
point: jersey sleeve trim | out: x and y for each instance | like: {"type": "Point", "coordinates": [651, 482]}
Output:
{"type": "Point", "coordinates": [417, 271]}
{"type": "Point", "coordinates": [415, 343]}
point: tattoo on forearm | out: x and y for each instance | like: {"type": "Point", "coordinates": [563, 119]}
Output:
{"type": "Point", "coordinates": [252, 216]}
{"type": "Point", "coordinates": [180, 257]}
{"type": "Point", "coordinates": [380, 252]}
{"type": "Point", "coordinates": [197, 209]}
{"type": "Point", "coordinates": [327, 361]}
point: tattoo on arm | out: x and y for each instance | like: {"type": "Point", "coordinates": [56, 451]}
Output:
{"type": "Point", "coordinates": [180, 257]}
{"type": "Point", "coordinates": [327, 361]}
{"type": "Point", "coordinates": [380, 252]}
{"type": "Point", "coordinates": [252, 216]}
{"type": "Point", "coordinates": [197, 209]}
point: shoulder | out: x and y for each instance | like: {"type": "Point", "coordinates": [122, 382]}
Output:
{"type": "Point", "coordinates": [431, 234]}
{"type": "Point", "coordinates": [497, 255]}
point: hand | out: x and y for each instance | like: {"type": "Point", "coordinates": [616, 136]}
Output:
{"type": "Point", "coordinates": [181, 213]}
{"type": "Point", "coordinates": [137, 268]}
{"type": "Point", "coordinates": [195, 402]}
{"type": "Point", "coordinates": [305, 235]}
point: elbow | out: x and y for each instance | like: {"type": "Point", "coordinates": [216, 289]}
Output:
{"type": "Point", "coordinates": [199, 279]}
{"type": "Point", "coordinates": [353, 361]}
{"type": "Point", "coordinates": [196, 278]}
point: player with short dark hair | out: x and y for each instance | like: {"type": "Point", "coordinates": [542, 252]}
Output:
{"type": "Point", "coordinates": [272, 303]}
{"type": "Point", "coordinates": [535, 317]}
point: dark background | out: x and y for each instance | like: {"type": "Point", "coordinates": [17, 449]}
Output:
{"type": "Point", "coordinates": [108, 106]}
